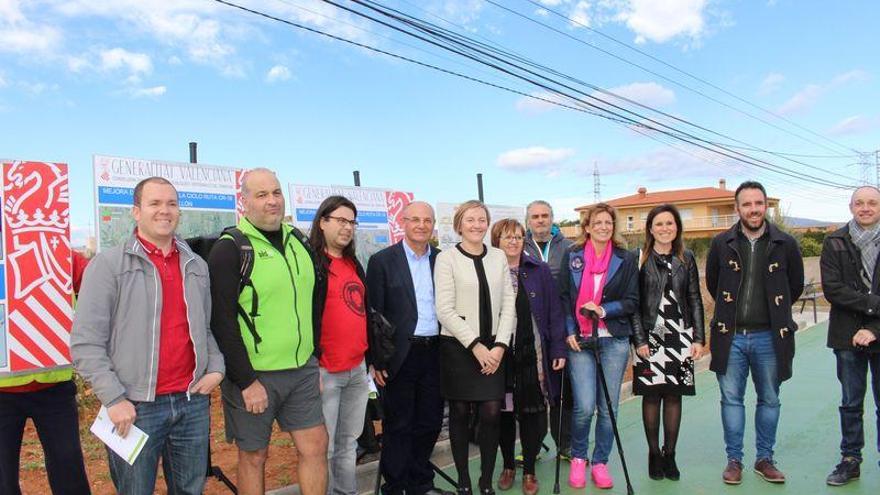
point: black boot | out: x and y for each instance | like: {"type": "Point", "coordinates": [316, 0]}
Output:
{"type": "Point", "coordinates": [463, 490]}
{"type": "Point", "coordinates": [655, 466]}
{"type": "Point", "coordinates": [670, 469]}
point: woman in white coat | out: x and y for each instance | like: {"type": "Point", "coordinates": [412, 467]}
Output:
{"type": "Point", "coordinates": [475, 307]}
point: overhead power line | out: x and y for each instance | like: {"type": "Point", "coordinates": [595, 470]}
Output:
{"type": "Point", "coordinates": [850, 151]}
{"type": "Point", "coordinates": [493, 47]}
{"type": "Point", "coordinates": [457, 45]}
{"type": "Point", "coordinates": [462, 45]}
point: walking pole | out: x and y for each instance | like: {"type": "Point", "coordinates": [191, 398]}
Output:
{"type": "Point", "coordinates": [559, 450]}
{"type": "Point", "coordinates": [595, 319]}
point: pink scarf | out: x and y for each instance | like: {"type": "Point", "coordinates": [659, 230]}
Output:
{"type": "Point", "coordinates": [592, 265]}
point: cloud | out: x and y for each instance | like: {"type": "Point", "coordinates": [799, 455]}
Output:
{"type": "Point", "coordinates": [580, 14]}
{"type": "Point", "coordinates": [663, 164]}
{"type": "Point", "coordinates": [278, 73]}
{"type": "Point", "coordinates": [534, 158]}
{"type": "Point", "coordinates": [856, 75]}
{"type": "Point", "coordinates": [37, 88]}
{"type": "Point", "coordinates": [771, 83]}
{"type": "Point", "coordinates": [154, 92]}
{"type": "Point", "coordinates": [3, 82]}
{"type": "Point", "coordinates": [120, 58]}
{"type": "Point", "coordinates": [810, 94]}
{"type": "Point", "coordinates": [660, 22]}
{"type": "Point", "coordinates": [801, 100]}
{"type": "Point", "coordinates": [856, 124]}
{"type": "Point", "coordinates": [21, 36]}
{"type": "Point", "coordinates": [208, 33]}
{"type": "Point", "coordinates": [646, 93]}
{"type": "Point", "coordinates": [459, 11]}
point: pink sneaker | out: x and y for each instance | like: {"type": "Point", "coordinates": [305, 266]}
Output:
{"type": "Point", "coordinates": [577, 473]}
{"type": "Point", "coordinates": [601, 477]}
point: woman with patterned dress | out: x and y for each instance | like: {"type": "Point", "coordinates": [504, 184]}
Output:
{"type": "Point", "coordinates": [671, 320]}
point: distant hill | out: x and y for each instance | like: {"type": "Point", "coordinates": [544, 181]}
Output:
{"type": "Point", "coordinates": [805, 223]}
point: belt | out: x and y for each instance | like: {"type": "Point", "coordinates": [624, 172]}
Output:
{"type": "Point", "coordinates": [414, 340]}
{"type": "Point", "coordinates": [746, 331]}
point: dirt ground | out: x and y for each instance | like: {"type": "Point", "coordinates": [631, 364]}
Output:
{"type": "Point", "coordinates": [280, 470]}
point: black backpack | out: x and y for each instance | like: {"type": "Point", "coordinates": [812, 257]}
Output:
{"type": "Point", "coordinates": [202, 246]}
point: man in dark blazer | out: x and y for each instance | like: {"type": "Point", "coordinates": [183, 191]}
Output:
{"type": "Point", "coordinates": [400, 286]}
{"type": "Point", "coordinates": [755, 272]}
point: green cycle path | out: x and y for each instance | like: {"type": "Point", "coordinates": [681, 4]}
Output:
{"type": "Point", "coordinates": [807, 443]}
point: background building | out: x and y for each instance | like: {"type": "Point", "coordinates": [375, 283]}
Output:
{"type": "Point", "coordinates": [705, 211]}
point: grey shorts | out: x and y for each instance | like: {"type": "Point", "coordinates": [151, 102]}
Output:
{"type": "Point", "coordinates": [294, 401]}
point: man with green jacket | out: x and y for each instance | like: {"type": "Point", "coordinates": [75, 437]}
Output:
{"type": "Point", "coordinates": [268, 331]}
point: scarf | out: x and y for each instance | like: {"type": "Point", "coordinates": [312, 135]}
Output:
{"type": "Point", "coordinates": [593, 265]}
{"type": "Point", "coordinates": [868, 242]}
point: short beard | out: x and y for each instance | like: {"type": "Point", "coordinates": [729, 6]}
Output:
{"type": "Point", "coordinates": [543, 238]}
{"type": "Point", "coordinates": [753, 230]}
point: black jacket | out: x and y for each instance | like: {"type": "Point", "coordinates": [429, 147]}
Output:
{"type": "Point", "coordinates": [853, 306]}
{"type": "Point", "coordinates": [392, 294]}
{"type": "Point", "coordinates": [685, 285]}
{"type": "Point", "coordinates": [620, 296]}
{"type": "Point", "coordinates": [784, 280]}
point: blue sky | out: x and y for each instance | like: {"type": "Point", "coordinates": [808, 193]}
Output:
{"type": "Point", "coordinates": [141, 78]}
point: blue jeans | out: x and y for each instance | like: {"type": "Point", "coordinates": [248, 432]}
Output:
{"type": "Point", "coordinates": [852, 372]}
{"type": "Point", "coordinates": [344, 397]}
{"type": "Point", "coordinates": [179, 432]}
{"type": "Point", "coordinates": [588, 396]}
{"type": "Point", "coordinates": [752, 351]}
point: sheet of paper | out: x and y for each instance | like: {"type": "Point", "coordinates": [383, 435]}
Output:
{"type": "Point", "coordinates": [374, 392]}
{"type": "Point", "coordinates": [129, 447]}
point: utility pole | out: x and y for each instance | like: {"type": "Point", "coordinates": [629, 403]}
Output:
{"type": "Point", "coordinates": [877, 166]}
{"type": "Point", "coordinates": [865, 167]}
{"type": "Point", "coordinates": [597, 195]}
{"type": "Point", "coordinates": [357, 178]}
{"type": "Point", "coordinates": [480, 187]}
{"type": "Point", "coordinates": [193, 152]}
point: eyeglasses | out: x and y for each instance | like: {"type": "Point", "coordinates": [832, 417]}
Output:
{"type": "Point", "coordinates": [512, 238]}
{"type": "Point", "coordinates": [417, 220]}
{"type": "Point", "coordinates": [344, 221]}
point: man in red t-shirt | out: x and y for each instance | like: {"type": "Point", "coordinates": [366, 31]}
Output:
{"type": "Point", "coordinates": [141, 339]}
{"type": "Point", "coordinates": [343, 339]}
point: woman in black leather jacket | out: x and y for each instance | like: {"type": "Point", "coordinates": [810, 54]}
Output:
{"type": "Point", "coordinates": [671, 320]}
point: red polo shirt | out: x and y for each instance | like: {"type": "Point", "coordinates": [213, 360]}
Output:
{"type": "Point", "coordinates": [177, 358]}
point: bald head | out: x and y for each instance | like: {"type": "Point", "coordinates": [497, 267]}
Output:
{"type": "Point", "coordinates": [262, 199]}
{"type": "Point", "coordinates": [865, 206]}
{"type": "Point", "coordinates": [418, 225]}
{"type": "Point", "coordinates": [418, 208]}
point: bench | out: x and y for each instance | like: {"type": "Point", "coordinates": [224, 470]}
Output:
{"type": "Point", "coordinates": [812, 292]}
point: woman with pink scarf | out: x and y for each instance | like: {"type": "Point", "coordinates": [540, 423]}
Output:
{"type": "Point", "coordinates": [600, 276]}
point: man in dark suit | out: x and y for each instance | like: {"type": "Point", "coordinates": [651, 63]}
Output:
{"type": "Point", "coordinates": [400, 286]}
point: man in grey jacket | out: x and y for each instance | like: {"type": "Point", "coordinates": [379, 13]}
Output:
{"type": "Point", "coordinates": [141, 339]}
{"type": "Point", "coordinates": [545, 242]}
